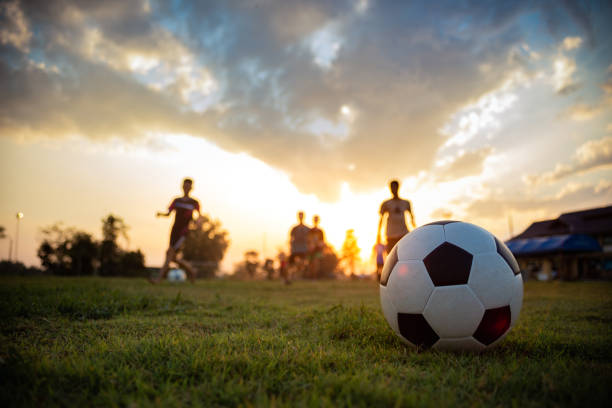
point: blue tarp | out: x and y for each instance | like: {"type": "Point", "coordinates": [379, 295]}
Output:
{"type": "Point", "coordinates": [555, 243]}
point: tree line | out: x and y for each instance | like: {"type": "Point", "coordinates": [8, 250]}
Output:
{"type": "Point", "coordinates": [68, 251]}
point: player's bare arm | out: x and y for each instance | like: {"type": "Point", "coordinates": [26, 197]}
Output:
{"type": "Point", "coordinates": [198, 221]}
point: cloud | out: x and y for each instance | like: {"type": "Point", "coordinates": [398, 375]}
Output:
{"type": "Point", "coordinates": [324, 44]}
{"type": "Point", "coordinates": [441, 214]}
{"type": "Point", "coordinates": [583, 112]}
{"type": "Point", "coordinates": [607, 87]}
{"type": "Point", "coordinates": [466, 164]}
{"type": "Point", "coordinates": [580, 14]}
{"type": "Point", "coordinates": [101, 104]}
{"type": "Point", "coordinates": [572, 196]}
{"type": "Point", "coordinates": [482, 118]}
{"type": "Point", "coordinates": [14, 28]}
{"type": "Point", "coordinates": [563, 72]}
{"type": "Point", "coordinates": [571, 43]}
{"type": "Point", "coordinates": [239, 74]}
{"type": "Point", "coordinates": [593, 155]}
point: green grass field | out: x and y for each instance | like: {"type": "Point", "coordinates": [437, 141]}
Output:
{"type": "Point", "coordinates": [124, 342]}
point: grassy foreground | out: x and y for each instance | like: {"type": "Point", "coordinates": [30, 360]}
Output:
{"type": "Point", "coordinates": [123, 342]}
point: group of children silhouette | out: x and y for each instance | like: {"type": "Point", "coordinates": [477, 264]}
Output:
{"type": "Point", "coordinates": [306, 244]}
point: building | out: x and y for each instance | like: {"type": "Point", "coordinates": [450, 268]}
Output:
{"type": "Point", "coordinates": [577, 245]}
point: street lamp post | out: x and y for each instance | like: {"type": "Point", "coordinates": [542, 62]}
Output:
{"type": "Point", "coordinates": [19, 216]}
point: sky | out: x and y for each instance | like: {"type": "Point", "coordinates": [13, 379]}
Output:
{"type": "Point", "coordinates": [495, 113]}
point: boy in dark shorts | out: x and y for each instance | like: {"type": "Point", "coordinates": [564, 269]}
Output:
{"type": "Point", "coordinates": [316, 244]}
{"type": "Point", "coordinates": [298, 245]}
{"type": "Point", "coordinates": [183, 208]}
{"type": "Point", "coordinates": [395, 209]}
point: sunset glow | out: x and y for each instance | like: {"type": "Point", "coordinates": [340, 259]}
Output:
{"type": "Point", "coordinates": [492, 118]}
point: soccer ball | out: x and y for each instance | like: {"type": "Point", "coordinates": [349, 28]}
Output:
{"type": "Point", "coordinates": [177, 275]}
{"type": "Point", "coordinates": [451, 285]}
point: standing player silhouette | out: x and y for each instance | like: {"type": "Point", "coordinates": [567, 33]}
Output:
{"type": "Point", "coordinates": [183, 208]}
{"type": "Point", "coordinates": [298, 244]}
{"type": "Point", "coordinates": [395, 209]}
{"type": "Point", "coordinates": [316, 244]}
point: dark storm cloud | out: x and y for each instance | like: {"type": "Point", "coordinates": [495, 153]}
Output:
{"type": "Point", "coordinates": [403, 69]}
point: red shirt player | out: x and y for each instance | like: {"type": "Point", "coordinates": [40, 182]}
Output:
{"type": "Point", "coordinates": [183, 208]}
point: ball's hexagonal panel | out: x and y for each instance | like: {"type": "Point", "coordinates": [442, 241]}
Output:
{"type": "Point", "coordinates": [461, 344]}
{"type": "Point", "coordinates": [388, 308]}
{"type": "Point", "coordinates": [443, 222]}
{"type": "Point", "coordinates": [448, 265]}
{"type": "Point", "coordinates": [505, 253]}
{"type": "Point", "coordinates": [495, 323]}
{"type": "Point", "coordinates": [388, 266]}
{"type": "Point", "coordinates": [415, 329]}
{"type": "Point", "coordinates": [420, 242]}
{"type": "Point", "coordinates": [469, 237]}
{"type": "Point", "coordinates": [409, 286]}
{"type": "Point", "coordinates": [492, 280]}
{"type": "Point", "coordinates": [516, 302]}
{"type": "Point", "coordinates": [453, 311]}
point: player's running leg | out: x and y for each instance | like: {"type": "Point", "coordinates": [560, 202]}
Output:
{"type": "Point", "coordinates": [163, 272]}
{"type": "Point", "coordinates": [170, 257]}
{"type": "Point", "coordinates": [191, 273]}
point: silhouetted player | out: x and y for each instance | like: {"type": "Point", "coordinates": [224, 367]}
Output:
{"type": "Point", "coordinates": [316, 244]}
{"type": "Point", "coordinates": [395, 209]}
{"type": "Point", "coordinates": [183, 208]}
{"type": "Point", "coordinates": [379, 253]}
{"type": "Point", "coordinates": [298, 242]}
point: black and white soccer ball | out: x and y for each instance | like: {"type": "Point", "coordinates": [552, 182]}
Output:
{"type": "Point", "coordinates": [177, 275]}
{"type": "Point", "coordinates": [451, 285]}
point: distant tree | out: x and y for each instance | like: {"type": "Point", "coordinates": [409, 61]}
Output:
{"type": "Point", "coordinates": [206, 245]}
{"type": "Point", "coordinates": [350, 251]}
{"type": "Point", "coordinates": [248, 266]}
{"type": "Point", "coordinates": [8, 268]}
{"type": "Point", "coordinates": [109, 258]}
{"type": "Point", "coordinates": [132, 263]}
{"type": "Point", "coordinates": [268, 267]}
{"type": "Point", "coordinates": [329, 262]}
{"type": "Point", "coordinates": [66, 251]}
{"type": "Point", "coordinates": [83, 251]}
{"type": "Point", "coordinates": [113, 226]}
{"type": "Point", "coordinates": [53, 251]}
{"type": "Point", "coordinates": [251, 262]}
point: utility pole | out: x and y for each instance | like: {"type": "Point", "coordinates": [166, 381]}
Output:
{"type": "Point", "coordinates": [19, 216]}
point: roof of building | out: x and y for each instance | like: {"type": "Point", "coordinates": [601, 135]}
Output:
{"type": "Point", "coordinates": [593, 222]}
{"type": "Point", "coordinates": [557, 243]}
